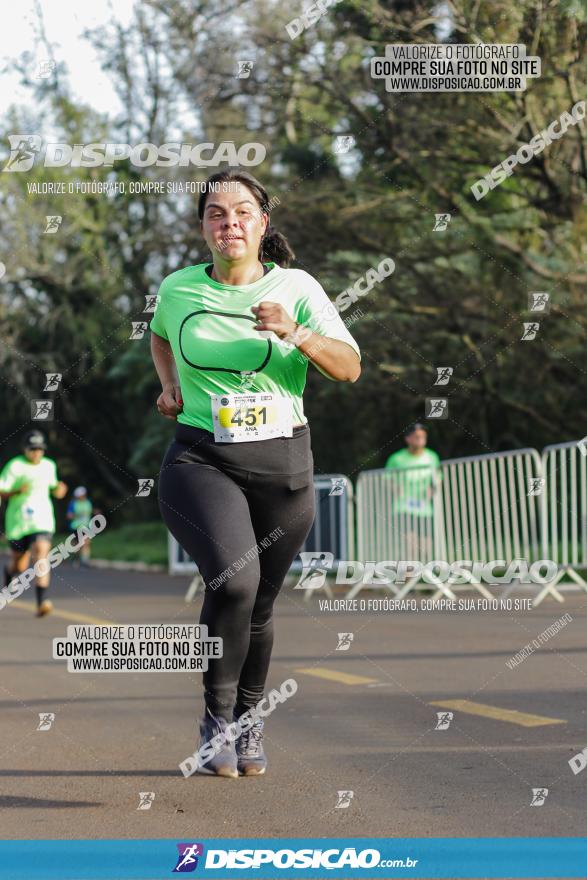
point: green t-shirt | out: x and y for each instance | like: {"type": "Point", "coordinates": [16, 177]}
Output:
{"type": "Point", "coordinates": [31, 511]}
{"type": "Point", "coordinates": [209, 326]}
{"type": "Point", "coordinates": [413, 491]}
{"type": "Point", "coordinates": [81, 508]}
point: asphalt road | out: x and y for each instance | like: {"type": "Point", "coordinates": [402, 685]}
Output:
{"type": "Point", "coordinates": [362, 720]}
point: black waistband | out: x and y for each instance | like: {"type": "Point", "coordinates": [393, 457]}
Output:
{"type": "Point", "coordinates": [190, 434]}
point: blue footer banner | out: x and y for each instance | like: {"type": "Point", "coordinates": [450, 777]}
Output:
{"type": "Point", "coordinates": [482, 857]}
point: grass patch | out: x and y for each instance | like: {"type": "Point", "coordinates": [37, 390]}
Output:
{"type": "Point", "coordinates": [135, 542]}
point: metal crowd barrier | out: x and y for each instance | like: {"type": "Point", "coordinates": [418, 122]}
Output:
{"type": "Point", "coordinates": [491, 508]}
{"type": "Point", "coordinates": [505, 505]}
{"type": "Point", "coordinates": [397, 519]}
{"type": "Point", "coordinates": [478, 508]}
{"type": "Point", "coordinates": [564, 514]}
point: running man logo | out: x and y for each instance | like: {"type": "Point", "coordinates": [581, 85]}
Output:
{"type": "Point", "coordinates": [539, 302]}
{"type": "Point", "coordinates": [45, 69]}
{"type": "Point", "coordinates": [52, 381]}
{"type": "Point", "coordinates": [344, 641]}
{"type": "Point", "coordinates": [247, 379]}
{"type": "Point", "coordinates": [444, 719]}
{"type": "Point", "coordinates": [338, 485]}
{"type": "Point", "coordinates": [145, 486]}
{"type": "Point", "coordinates": [441, 222]}
{"type": "Point", "coordinates": [146, 798]}
{"type": "Point", "coordinates": [536, 486]}
{"type": "Point", "coordinates": [187, 859]}
{"type": "Point", "coordinates": [539, 795]}
{"type": "Point", "coordinates": [344, 800]}
{"type": "Point", "coordinates": [578, 762]}
{"type": "Point", "coordinates": [530, 331]}
{"type": "Point", "coordinates": [244, 69]}
{"type": "Point", "coordinates": [310, 16]}
{"type": "Point", "coordinates": [23, 150]}
{"type": "Point", "coordinates": [53, 223]}
{"type": "Point", "coordinates": [151, 302]}
{"type": "Point", "coordinates": [139, 328]}
{"type": "Point", "coordinates": [42, 410]}
{"type": "Point", "coordinates": [436, 408]}
{"type": "Point", "coordinates": [443, 375]}
{"type": "Point", "coordinates": [315, 565]}
{"type": "Point", "coordinates": [343, 144]}
{"type": "Point", "coordinates": [46, 719]}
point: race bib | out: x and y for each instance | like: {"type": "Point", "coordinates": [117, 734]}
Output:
{"type": "Point", "coordinates": [239, 417]}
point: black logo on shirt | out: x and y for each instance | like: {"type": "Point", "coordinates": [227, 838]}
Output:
{"type": "Point", "coordinates": [205, 343]}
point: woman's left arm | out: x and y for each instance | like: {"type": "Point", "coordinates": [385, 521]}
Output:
{"type": "Point", "coordinates": [336, 358]}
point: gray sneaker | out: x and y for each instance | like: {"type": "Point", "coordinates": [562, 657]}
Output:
{"type": "Point", "coordinates": [251, 757]}
{"type": "Point", "coordinates": [223, 763]}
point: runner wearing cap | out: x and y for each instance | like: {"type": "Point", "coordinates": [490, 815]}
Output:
{"type": "Point", "coordinates": [231, 342]}
{"type": "Point", "coordinates": [28, 481]}
{"type": "Point", "coordinates": [79, 513]}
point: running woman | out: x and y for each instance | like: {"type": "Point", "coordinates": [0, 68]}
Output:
{"type": "Point", "coordinates": [79, 513]}
{"type": "Point", "coordinates": [231, 341]}
{"type": "Point", "coordinates": [28, 481]}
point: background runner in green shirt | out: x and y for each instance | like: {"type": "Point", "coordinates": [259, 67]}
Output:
{"type": "Point", "coordinates": [412, 493]}
{"type": "Point", "coordinates": [415, 496]}
{"type": "Point", "coordinates": [28, 481]}
{"type": "Point", "coordinates": [79, 513]}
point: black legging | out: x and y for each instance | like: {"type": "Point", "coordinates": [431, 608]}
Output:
{"type": "Point", "coordinates": [242, 512]}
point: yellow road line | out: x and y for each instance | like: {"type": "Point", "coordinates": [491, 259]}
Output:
{"type": "Point", "coordinates": [65, 615]}
{"type": "Point", "coordinates": [524, 719]}
{"type": "Point", "coordinates": [334, 675]}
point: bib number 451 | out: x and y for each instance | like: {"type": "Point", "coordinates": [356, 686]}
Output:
{"type": "Point", "coordinates": [252, 415]}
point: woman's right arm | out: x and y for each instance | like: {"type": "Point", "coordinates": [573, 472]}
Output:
{"type": "Point", "coordinates": [169, 402]}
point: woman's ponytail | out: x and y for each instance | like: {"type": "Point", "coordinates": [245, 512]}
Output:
{"type": "Point", "coordinates": [275, 248]}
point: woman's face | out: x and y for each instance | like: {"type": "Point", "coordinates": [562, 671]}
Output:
{"type": "Point", "coordinates": [233, 223]}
